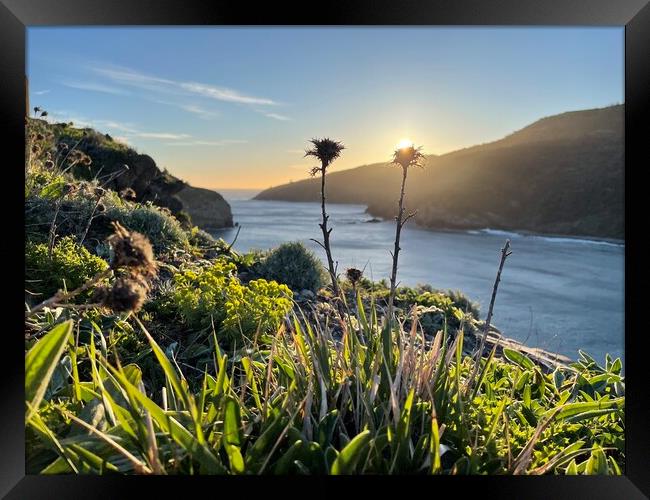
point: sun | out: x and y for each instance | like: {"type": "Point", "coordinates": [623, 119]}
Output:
{"type": "Point", "coordinates": [405, 143]}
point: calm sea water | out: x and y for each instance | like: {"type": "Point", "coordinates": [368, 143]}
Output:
{"type": "Point", "coordinates": [559, 294]}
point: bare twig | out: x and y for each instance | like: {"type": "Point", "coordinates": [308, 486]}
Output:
{"type": "Point", "coordinates": [233, 241]}
{"type": "Point", "coordinates": [62, 297]}
{"type": "Point", "coordinates": [90, 220]}
{"type": "Point", "coordinates": [505, 252]}
{"type": "Point", "coordinates": [52, 233]}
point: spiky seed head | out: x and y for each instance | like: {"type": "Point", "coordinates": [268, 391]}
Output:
{"type": "Point", "coordinates": [353, 275]}
{"type": "Point", "coordinates": [132, 250]}
{"type": "Point", "coordinates": [326, 150]}
{"type": "Point", "coordinates": [409, 156]}
{"type": "Point", "coordinates": [128, 194]}
{"type": "Point", "coordinates": [126, 294]}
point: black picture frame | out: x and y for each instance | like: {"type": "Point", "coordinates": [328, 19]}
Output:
{"type": "Point", "coordinates": [16, 15]}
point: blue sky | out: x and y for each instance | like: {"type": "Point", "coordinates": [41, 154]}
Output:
{"type": "Point", "coordinates": [235, 107]}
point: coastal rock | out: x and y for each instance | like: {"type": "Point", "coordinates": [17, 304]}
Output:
{"type": "Point", "coordinates": [120, 167]}
{"type": "Point", "coordinates": [207, 208]}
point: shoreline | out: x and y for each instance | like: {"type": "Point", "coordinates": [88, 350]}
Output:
{"type": "Point", "coordinates": [482, 230]}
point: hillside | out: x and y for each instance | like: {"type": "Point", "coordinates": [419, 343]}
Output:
{"type": "Point", "coordinates": [204, 208]}
{"type": "Point", "coordinates": [560, 175]}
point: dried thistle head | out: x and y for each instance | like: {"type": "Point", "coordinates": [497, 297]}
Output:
{"type": "Point", "coordinates": [353, 275]}
{"type": "Point", "coordinates": [132, 250]}
{"type": "Point", "coordinates": [409, 156]}
{"type": "Point", "coordinates": [99, 192]}
{"type": "Point", "coordinates": [128, 194]}
{"type": "Point", "coordinates": [85, 159]}
{"type": "Point", "coordinates": [326, 150]}
{"type": "Point", "coordinates": [68, 188]}
{"type": "Point", "coordinates": [127, 294]}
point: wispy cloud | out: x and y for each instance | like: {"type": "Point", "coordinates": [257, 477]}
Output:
{"type": "Point", "coordinates": [134, 78]}
{"type": "Point", "coordinates": [41, 92]}
{"type": "Point", "coordinates": [94, 87]}
{"type": "Point", "coordinates": [199, 111]}
{"type": "Point", "coordinates": [276, 116]}
{"type": "Point", "coordinates": [223, 94]}
{"type": "Point", "coordinates": [127, 130]}
{"type": "Point", "coordinates": [222, 142]}
{"type": "Point", "coordinates": [162, 135]}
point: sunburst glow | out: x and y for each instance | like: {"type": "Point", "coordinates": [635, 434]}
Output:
{"type": "Point", "coordinates": [404, 143]}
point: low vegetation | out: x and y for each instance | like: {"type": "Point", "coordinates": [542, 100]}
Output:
{"type": "Point", "coordinates": [152, 348]}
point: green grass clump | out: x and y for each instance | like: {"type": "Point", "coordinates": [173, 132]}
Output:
{"type": "Point", "coordinates": [312, 405]}
{"type": "Point", "coordinates": [214, 294]}
{"type": "Point", "coordinates": [69, 266]}
{"type": "Point", "coordinates": [157, 224]}
{"type": "Point", "coordinates": [293, 265]}
{"type": "Point", "coordinates": [257, 307]}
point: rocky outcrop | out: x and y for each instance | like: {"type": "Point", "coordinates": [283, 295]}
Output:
{"type": "Point", "coordinates": [119, 167]}
{"type": "Point", "coordinates": [207, 208]}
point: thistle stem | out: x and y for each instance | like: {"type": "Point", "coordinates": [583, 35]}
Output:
{"type": "Point", "coordinates": [398, 233]}
{"type": "Point", "coordinates": [326, 236]}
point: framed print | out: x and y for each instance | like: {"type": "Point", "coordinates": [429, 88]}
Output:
{"type": "Point", "coordinates": [375, 241]}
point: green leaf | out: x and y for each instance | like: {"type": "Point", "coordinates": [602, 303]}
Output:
{"type": "Point", "coordinates": [175, 382]}
{"type": "Point", "coordinates": [518, 358]}
{"type": "Point", "coordinates": [199, 451]}
{"type": "Point", "coordinates": [286, 461]}
{"type": "Point", "coordinates": [347, 460]}
{"type": "Point", "coordinates": [54, 189]}
{"type": "Point", "coordinates": [231, 422]}
{"type": "Point", "coordinates": [572, 469]}
{"type": "Point", "coordinates": [590, 414]}
{"type": "Point", "coordinates": [572, 409]}
{"type": "Point", "coordinates": [40, 362]}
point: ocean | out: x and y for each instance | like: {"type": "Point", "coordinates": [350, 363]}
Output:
{"type": "Point", "coordinates": [559, 294]}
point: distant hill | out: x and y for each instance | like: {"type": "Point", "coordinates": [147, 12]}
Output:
{"type": "Point", "coordinates": [560, 175]}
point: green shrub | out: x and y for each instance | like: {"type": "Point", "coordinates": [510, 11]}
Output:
{"type": "Point", "coordinates": [257, 307]}
{"type": "Point", "coordinates": [70, 264]}
{"type": "Point", "coordinates": [294, 265]}
{"type": "Point", "coordinates": [216, 294]}
{"type": "Point", "coordinates": [158, 225]}
{"type": "Point", "coordinates": [200, 238]}
{"type": "Point", "coordinates": [464, 303]}
{"type": "Point", "coordinates": [200, 295]}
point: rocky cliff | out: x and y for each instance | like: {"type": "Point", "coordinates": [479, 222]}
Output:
{"type": "Point", "coordinates": [119, 167]}
{"type": "Point", "coordinates": [207, 208]}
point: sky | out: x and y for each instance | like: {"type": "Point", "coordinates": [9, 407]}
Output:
{"type": "Point", "coordinates": [230, 107]}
